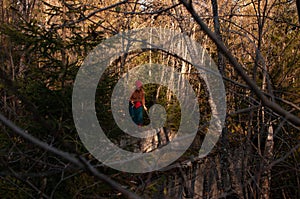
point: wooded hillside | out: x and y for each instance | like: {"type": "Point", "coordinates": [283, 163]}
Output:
{"type": "Point", "coordinates": [255, 45]}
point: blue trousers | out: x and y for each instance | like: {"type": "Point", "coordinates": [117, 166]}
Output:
{"type": "Point", "coordinates": [136, 114]}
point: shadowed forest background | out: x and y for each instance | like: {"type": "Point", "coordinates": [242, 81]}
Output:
{"type": "Point", "coordinates": [256, 45]}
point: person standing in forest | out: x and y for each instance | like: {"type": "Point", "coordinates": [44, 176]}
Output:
{"type": "Point", "coordinates": [137, 103]}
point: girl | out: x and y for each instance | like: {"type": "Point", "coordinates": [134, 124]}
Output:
{"type": "Point", "coordinates": [137, 103]}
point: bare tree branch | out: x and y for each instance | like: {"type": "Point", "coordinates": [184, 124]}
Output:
{"type": "Point", "coordinates": [277, 161]}
{"type": "Point", "coordinates": [92, 14]}
{"type": "Point", "coordinates": [273, 106]}
{"type": "Point", "coordinates": [298, 9]}
{"type": "Point", "coordinates": [82, 163]}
